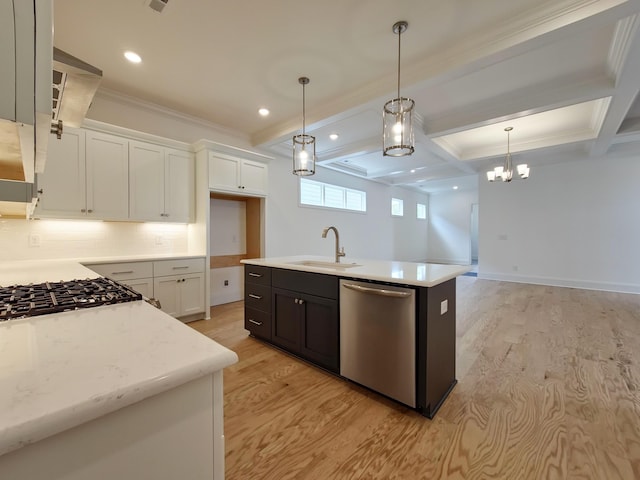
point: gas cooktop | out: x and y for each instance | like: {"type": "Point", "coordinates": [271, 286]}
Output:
{"type": "Point", "coordinates": [21, 301]}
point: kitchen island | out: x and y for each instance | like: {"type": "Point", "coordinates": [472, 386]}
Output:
{"type": "Point", "coordinates": [297, 304]}
{"type": "Point", "coordinates": [115, 391]}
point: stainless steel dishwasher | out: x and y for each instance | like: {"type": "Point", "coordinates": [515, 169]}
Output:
{"type": "Point", "coordinates": [378, 338]}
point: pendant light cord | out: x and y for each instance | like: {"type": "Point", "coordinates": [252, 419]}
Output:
{"type": "Point", "coordinates": [399, 35]}
{"type": "Point", "coordinates": [303, 110]}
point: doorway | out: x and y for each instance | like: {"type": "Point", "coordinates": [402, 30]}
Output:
{"type": "Point", "coordinates": [473, 237]}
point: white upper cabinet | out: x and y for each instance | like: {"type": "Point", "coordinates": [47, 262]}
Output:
{"type": "Point", "coordinates": [86, 177]}
{"type": "Point", "coordinates": [103, 176]}
{"type": "Point", "coordinates": [161, 182]}
{"type": "Point", "coordinates": [179, 186]}
{"type": "Point", "coordinates": [63, 183]}
{"type": "Point", "coordinates": [107, 158]}
{"type": "Point", "coordinates": [236, 175]}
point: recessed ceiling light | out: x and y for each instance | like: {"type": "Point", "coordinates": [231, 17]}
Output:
{"type": "Point", "coordinates": [455, 187]}
{"type": "Point", "coordinates": [333, 136]}
{"type": "Point", "coordinates": [133, 57]}
{"type": "Point", "coordinates": [263, 111]}
{"type": "Point", "coordinates": [413, 170]}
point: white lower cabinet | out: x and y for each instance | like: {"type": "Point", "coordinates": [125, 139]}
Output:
{"type": "Point", "coordinates": [180, 295]}
{"type": "Point", "coordinates": [178, 284]}
{"type": "Point", "coordinates": [144, 286]}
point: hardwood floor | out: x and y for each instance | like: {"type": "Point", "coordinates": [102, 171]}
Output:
{"type": "Point", "coordinates": [548, 389]}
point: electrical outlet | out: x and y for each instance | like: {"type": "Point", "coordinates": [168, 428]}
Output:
{"type": "Point", "coordinates": [226, 283]}
{"type": "Point", "coordinates": [159, 240]}
{"type": "Point", "coordinates": [34, 240]}
{"type": "Point", "coordinates": [444, 307]}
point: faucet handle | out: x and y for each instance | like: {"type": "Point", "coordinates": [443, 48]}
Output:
{"type": "Point", "coordinates": [341, 252]}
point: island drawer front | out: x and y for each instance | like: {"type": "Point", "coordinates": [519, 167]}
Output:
{"type": "Point", "coordinates": [258, 297]}
{"type": "Point", "coordinates": [164, 268]}
{"type": "Point", "coordinates": [258, 322]}
{"type": "Point", "coordinates": [304, 282]}
{"type": "Point", "coordinates": [257, 274]}
{"type": "Point", "coordinates": [123, 271]}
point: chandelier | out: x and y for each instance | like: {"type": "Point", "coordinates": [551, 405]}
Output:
{"type": "Point", "coordinates": [505, 173]}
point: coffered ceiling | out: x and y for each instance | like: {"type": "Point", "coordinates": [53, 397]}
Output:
{"type": "Point", "coordinates": [563, 73]}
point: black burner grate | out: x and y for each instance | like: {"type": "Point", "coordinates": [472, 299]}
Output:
{"type": "Point", "coordinates": [53, 297]}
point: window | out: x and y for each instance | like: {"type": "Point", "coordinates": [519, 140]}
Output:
{"type": "Point", "coordinates": [320, 194]}
{"type": "Point", "coordinates": [397, 207]}
{"type": "Point", "coordinates": [421, 211]}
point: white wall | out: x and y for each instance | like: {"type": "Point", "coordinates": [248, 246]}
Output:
{"type": "Point", "coordinates": [574, 224]}
{"type": "Point", "coordinates": [295, 230]}
{"type": "Point", "coordinates": [88, 238]}
{"type": "Point", "coordinates": [450, 227]}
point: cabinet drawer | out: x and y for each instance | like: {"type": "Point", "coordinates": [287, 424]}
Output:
{"type": "Point", "coordinates": [258, 322]}
{"type": "Point", "coordinates": [162, 268]}
{"type": "Point", "coordinates": [123, 271]}
{"type": "Point", "coordinates": [258, 296]}
{"type": "Point", "coordinates": [304, 282]}
{"type": "Point", "coordinates": [257, 274]}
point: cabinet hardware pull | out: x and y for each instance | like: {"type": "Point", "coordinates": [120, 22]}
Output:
{"type": "Point", "coordinates": [257, 297]}
{"type": "Point", "coordinates": [122, 273]}
{"type": "Point", "coordinates": [377, 291]}
{"type": "Point", "coordinates": [178, 268]}
{"type": "Point", "coordinates": [90, 211]}
{"type": "Point", "coordinates": [301, 301]}
{"type": "Point", "coordinates": [254, 322]}
{"type": "Point", "coordinates": [258, 275]}
{"type": "Point", "coordinates": [83, 210]}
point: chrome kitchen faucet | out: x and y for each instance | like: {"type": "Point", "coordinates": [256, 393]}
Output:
{"type": "Point", "coordinates": [339, 251]}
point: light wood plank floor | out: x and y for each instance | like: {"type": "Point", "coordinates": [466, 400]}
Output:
{"type": "Point", "coordinates": [549, 388]}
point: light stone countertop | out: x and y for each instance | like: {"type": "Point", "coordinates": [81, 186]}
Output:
{"type": "Point", "coordinates": [406, 273]}
{"type": "Point", "coordinates": [58, 371]}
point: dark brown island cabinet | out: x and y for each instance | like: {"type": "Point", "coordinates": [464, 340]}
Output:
{"type": "Point", "coordinates": [299, 312]}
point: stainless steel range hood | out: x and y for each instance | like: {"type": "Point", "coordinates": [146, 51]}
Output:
{"type": "Point", "coordinates": [74, 86]}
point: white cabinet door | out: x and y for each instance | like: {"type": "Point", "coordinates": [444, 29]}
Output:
{"type": "Point", "coordinates": [63, 182]}
{"type": "Point", "coordinates": [192, 294]}
{"type": "Point", "coordinates": [143, 286]}
{"type": "Point", "coordinates": [224, 173]}
{"type": "Point", "coordinates": [146, 182]}
{"type": "Point", "coordinates": [253, 177]}
{"type": "Point", "coordinates": [236, 175]}
{"type": "Point", "coordinates": [167, 291]}
{"type": "Point", "coordinates": [180, 295]}
{"type": "Point", "coordinates": [179, 186]}
{"type": "Point", "coordinates": [107, 163]}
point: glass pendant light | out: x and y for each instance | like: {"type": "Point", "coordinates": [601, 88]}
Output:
{"type": "Point", "coordinates": [304, 146]}
{"type": "Point", "coordinates": [397, 116]}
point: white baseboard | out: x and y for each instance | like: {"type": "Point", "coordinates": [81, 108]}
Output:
{"type": "Point", "coordinates": [562, 282]}
{"type": "Point", "coordinates": [449, 261]}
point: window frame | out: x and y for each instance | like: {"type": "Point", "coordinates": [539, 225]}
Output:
{"type": "Point", "coordinates": [323, 205]}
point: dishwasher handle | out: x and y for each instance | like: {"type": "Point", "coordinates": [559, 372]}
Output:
{"type": "Point", "coordinates": [377, 291]}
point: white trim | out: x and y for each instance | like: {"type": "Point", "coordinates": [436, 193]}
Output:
{"type": "Point", "coordinates": [562, 282]}
{"type": "Point", "coordinates": [168, 112]}
{"type": "Point", "coordinates": [98, 126]}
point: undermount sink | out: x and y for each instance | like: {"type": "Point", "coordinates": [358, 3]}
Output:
{"type": "Point", "coordinates": [329, 265]}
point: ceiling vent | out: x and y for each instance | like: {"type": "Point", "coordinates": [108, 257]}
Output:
{"type": "Point", "coordinates": [158, 5]}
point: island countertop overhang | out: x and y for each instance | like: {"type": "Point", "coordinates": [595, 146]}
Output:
{"type": "Point", "coordinates": [60, 370]}
{"type": "Point", "coordinates": [403, 273]}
